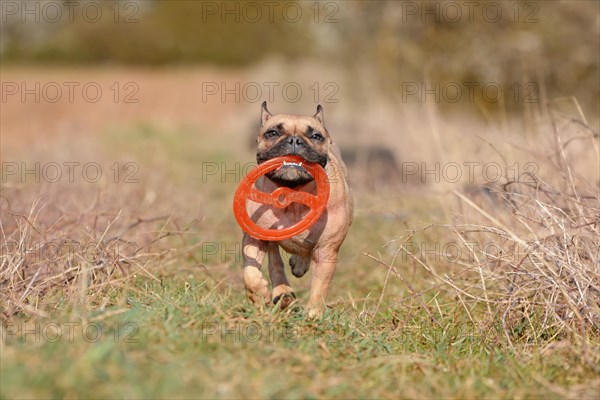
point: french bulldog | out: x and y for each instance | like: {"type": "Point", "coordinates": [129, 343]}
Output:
{"type": "Point", "coordinates": [316, 248]}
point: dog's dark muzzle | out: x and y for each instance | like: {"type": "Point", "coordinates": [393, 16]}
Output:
{"type": "Point", "coordinates": [292, 174]}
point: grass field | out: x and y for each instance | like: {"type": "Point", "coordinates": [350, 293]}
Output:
{"type": "Point", "coordinates": [127, 283]}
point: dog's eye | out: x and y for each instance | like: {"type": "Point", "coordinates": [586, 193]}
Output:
{"type": "Point", "coordinates": [271, 134]}
{"type": "Point", "coordinates": [317, 137]}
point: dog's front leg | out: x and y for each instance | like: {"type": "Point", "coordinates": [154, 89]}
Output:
{"type": "Point", "coordinates": [323, 264]}
{"type": "Point", "coordinates": [257, 287]}
{"type": "Point", "coordinates": [283, 293]}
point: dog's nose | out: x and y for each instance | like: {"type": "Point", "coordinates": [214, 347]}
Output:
{"type": "Point", "coordinates": [296, 141]}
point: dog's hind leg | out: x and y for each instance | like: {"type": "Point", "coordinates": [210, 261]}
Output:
{"type": "Point", "coordinates": [283, 294]}
{"type": "Point", "coordinates": [257, 287]}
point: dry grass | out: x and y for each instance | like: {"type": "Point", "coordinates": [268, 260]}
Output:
{"type": "Point", "coordinates": [523, 254]}
{"type": "Point", "coordinates": [52, 255]}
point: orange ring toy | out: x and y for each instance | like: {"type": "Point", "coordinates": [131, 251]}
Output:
{"type": "Point", "coordinates": [280, 198]}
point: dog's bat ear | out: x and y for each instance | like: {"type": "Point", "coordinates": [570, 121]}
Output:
{"type": "Point", "coordinates": [264, 113]}
{"type": "Point", "coordinates": [319, 115]}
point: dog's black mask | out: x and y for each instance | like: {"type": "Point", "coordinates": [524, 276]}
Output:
{"type": "Point", "coordinates": [292, 175]}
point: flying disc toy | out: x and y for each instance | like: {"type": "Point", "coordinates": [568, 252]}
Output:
{"type": "Point", "coordinates": [280, 198]}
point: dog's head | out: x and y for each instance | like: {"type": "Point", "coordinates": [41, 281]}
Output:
{"type": "Point", "coordinates": [282, 135]}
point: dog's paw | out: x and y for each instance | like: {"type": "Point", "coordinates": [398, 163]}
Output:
{"type": "Point", "coordinates": [257, 288]}
{"type": "Point", "coordinates": [284, 300]}
{"type": "Point", "coordinates": [299, 265]}
{"type": "Point", "coordinates": [314, 312]}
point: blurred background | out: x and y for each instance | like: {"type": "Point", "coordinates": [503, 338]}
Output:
{"type": "Point", "coordinates": [553, 44]}
{"type": "Point", "coordinates": [398, 71]}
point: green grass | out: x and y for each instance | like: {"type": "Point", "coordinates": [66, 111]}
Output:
{"type": "Point", "coordinates": [192, 339]}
